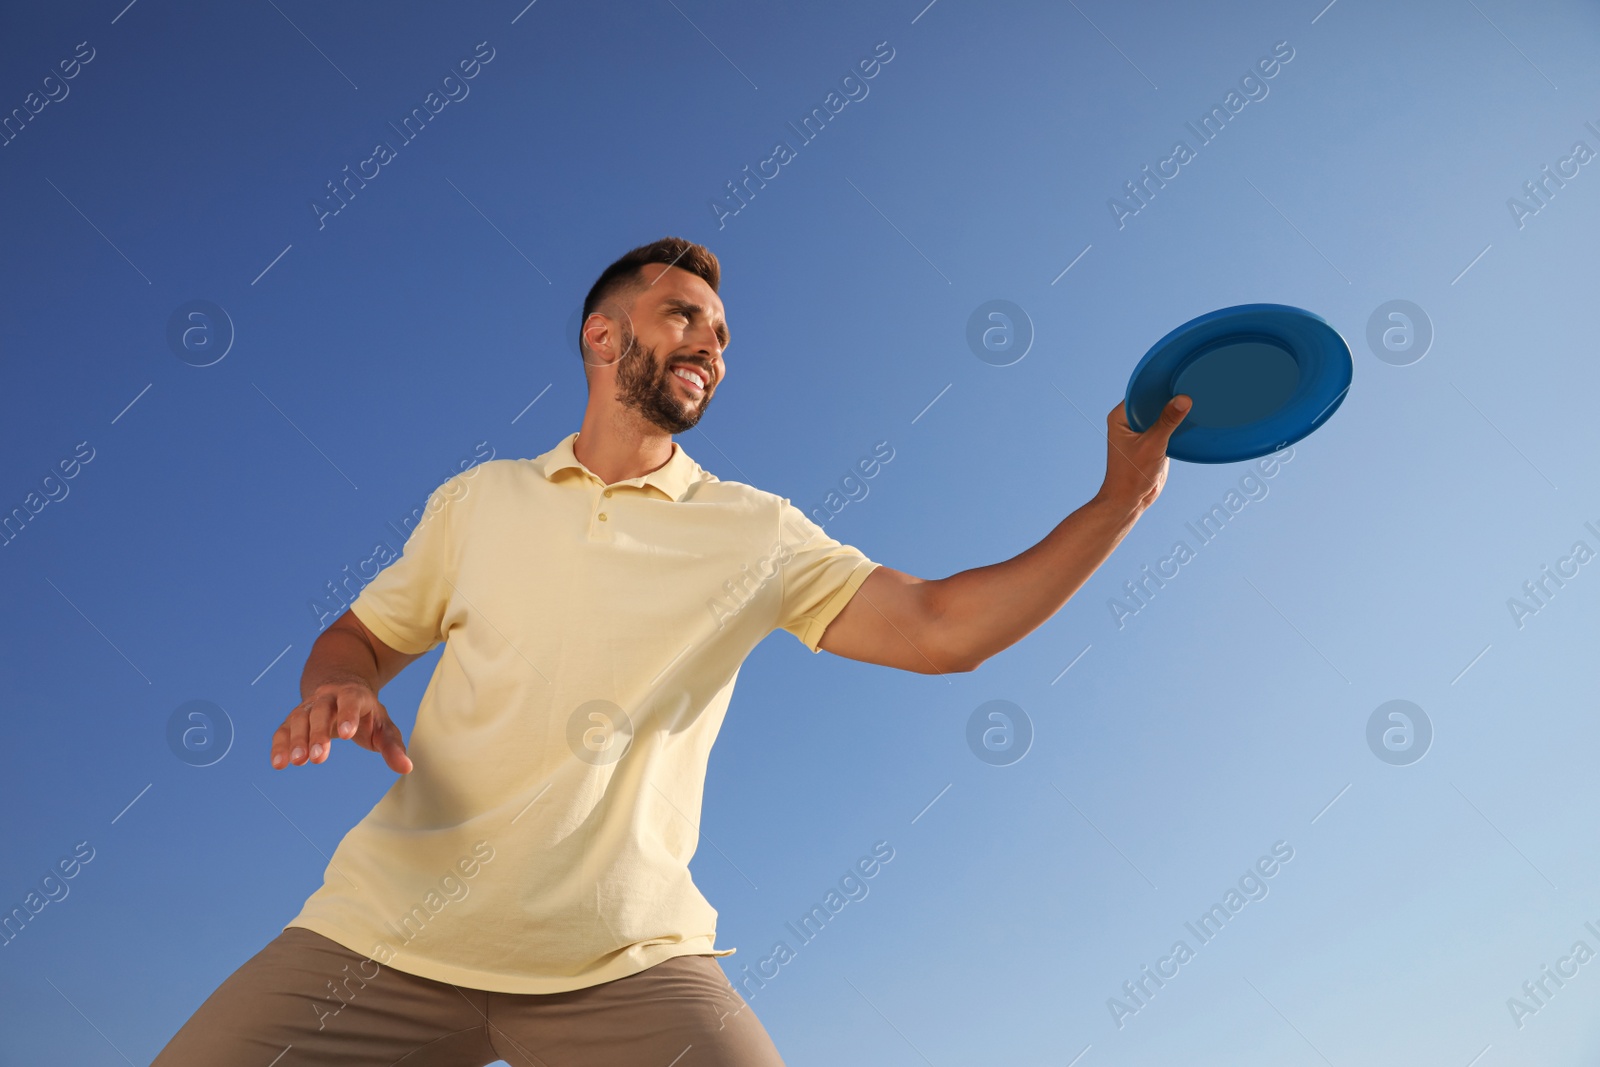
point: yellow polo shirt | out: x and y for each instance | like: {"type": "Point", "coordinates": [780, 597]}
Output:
{"type": "Point", "coordinates": [592, 637]}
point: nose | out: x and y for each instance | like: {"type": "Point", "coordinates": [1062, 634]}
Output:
{"type": "Point", "coordinates": [709, 348]}
{"type": "Point", "coordinates": [709, 345]}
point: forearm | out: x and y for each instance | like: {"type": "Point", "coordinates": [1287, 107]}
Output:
{"type": "Point", "coordinates": [340, 655]}
{"type": "Point", "coordinates": [987, 609]}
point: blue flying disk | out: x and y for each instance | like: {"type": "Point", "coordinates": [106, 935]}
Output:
{"type": "Point", "coordinates": [1261, 377]}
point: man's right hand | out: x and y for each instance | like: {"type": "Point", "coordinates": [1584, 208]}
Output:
{"type": "Point", "coordinates": [351, 710]}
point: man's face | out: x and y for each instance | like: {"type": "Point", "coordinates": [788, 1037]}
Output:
{"type": "Point", "coordinates": [675, 328]}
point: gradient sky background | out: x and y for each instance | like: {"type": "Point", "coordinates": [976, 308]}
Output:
{"type": "Point", "coordinates": [1229, 714]}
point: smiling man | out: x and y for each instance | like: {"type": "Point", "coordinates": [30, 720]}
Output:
{"type": "Point", "coordinates": [522, 891]}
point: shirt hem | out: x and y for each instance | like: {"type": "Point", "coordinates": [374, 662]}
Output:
{"type": "Point", "coordinates": [497, 982]}
{"type": "Point", "coordinates": [384, 632]}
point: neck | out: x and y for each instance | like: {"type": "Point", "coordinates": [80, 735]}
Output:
{"type": "Point", "coordinates": [617, 450]}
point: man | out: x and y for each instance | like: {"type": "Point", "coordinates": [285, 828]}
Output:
{"type": "Point", "coordinates": [522, 891]}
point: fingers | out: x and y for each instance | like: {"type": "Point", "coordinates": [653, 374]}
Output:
{"type": "Point", "coordinates": [280, 747]}
{"type": "Point", "coordinates": [337, 714]}
{"type": "Point", "coordinates": [349, 711]}
{"type": "Point", "coordinates": [377, 732]}
{"type": "Point", "coordinates": [1176, 410]}
{"type": "Point", "coordinates": [1153, 441]}
{"type": "Point", "coordinates": [347, 717]}
{"type": "Point", "coordinates": [289, 741]}
{"type": "Point", "coordinates": [367, 726]}
{"type": "Point", "coordinates": [393, 747]}
{"type": "Point", "coordinates": [1136, 461]}
{"type": "Point", "coordinates": [1161, 433]}
{"type": "Point", "coordinates": [321, 716]}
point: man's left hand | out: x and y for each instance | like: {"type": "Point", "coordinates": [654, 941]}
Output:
{"type": "Point", "coordinates": [1136, 463]}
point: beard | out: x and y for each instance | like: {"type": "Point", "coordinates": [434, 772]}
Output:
{"type": "Point", "coordinates": [647, 387]}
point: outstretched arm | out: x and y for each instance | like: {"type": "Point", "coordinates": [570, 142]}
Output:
{"type": "Point", "coordinates": [955, 623]}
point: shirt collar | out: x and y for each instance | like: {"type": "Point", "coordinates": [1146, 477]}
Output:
{"type": "Point", "coordinates": [673, 477]}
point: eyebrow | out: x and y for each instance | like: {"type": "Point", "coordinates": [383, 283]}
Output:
{"type": "Point", "coordinates": [679, 304]}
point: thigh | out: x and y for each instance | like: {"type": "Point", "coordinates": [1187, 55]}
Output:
{"type": "Point", "coordinates": [305, 999]}
{"type": "Point", "coordinates": [683, 1012]}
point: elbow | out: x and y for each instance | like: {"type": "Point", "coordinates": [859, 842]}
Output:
{"type": "Point", "coordinates": [953, 663]}
{"type": "Point", "coordinates": [947, 640]}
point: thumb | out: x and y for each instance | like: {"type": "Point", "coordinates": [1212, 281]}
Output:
{"type": "Point", "coordinates": [394, 749]}
{"type": "Point", "coordinates": [1176, 410]}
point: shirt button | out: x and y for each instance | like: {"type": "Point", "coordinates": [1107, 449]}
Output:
{"type": "Point", "coordinates": [608, 492]}
{"type": "Point", "coordinates": [602, 516]}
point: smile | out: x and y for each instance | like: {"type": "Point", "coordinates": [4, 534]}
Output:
{"type": "Point", "coordinates": [692, 376]}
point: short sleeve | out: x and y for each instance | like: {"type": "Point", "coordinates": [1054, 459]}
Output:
{"type": "Point", "coordinates": [820, 575]}
{"type": "Point", "coordinates": [404, 605]}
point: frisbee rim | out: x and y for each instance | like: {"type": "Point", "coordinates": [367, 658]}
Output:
{"type": "Point", "coordinates": [1321, 356]}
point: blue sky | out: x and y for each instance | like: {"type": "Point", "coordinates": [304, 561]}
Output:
{"type": "Point", "coordinates": [375, 349]}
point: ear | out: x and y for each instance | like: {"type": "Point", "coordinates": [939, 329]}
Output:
{"type": "Point", "coordinates": [598, 339]}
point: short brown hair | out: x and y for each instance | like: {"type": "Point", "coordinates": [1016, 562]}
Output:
{"type": "Point", "coordinates": [622, 277]}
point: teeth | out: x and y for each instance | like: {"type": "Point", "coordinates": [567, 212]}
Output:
{"type": "Point", "coordinates": [689, 376]}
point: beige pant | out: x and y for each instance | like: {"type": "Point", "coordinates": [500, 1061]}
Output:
{"type": "Point", "coordinates": [306, 1000]}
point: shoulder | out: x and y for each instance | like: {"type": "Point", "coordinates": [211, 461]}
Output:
{"type": "Point", "coordinates": [495, 469]}
{"type": "Point", "coordinates": [489, 478]}
{"type": "Point", "coordinates": [709, 489]}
